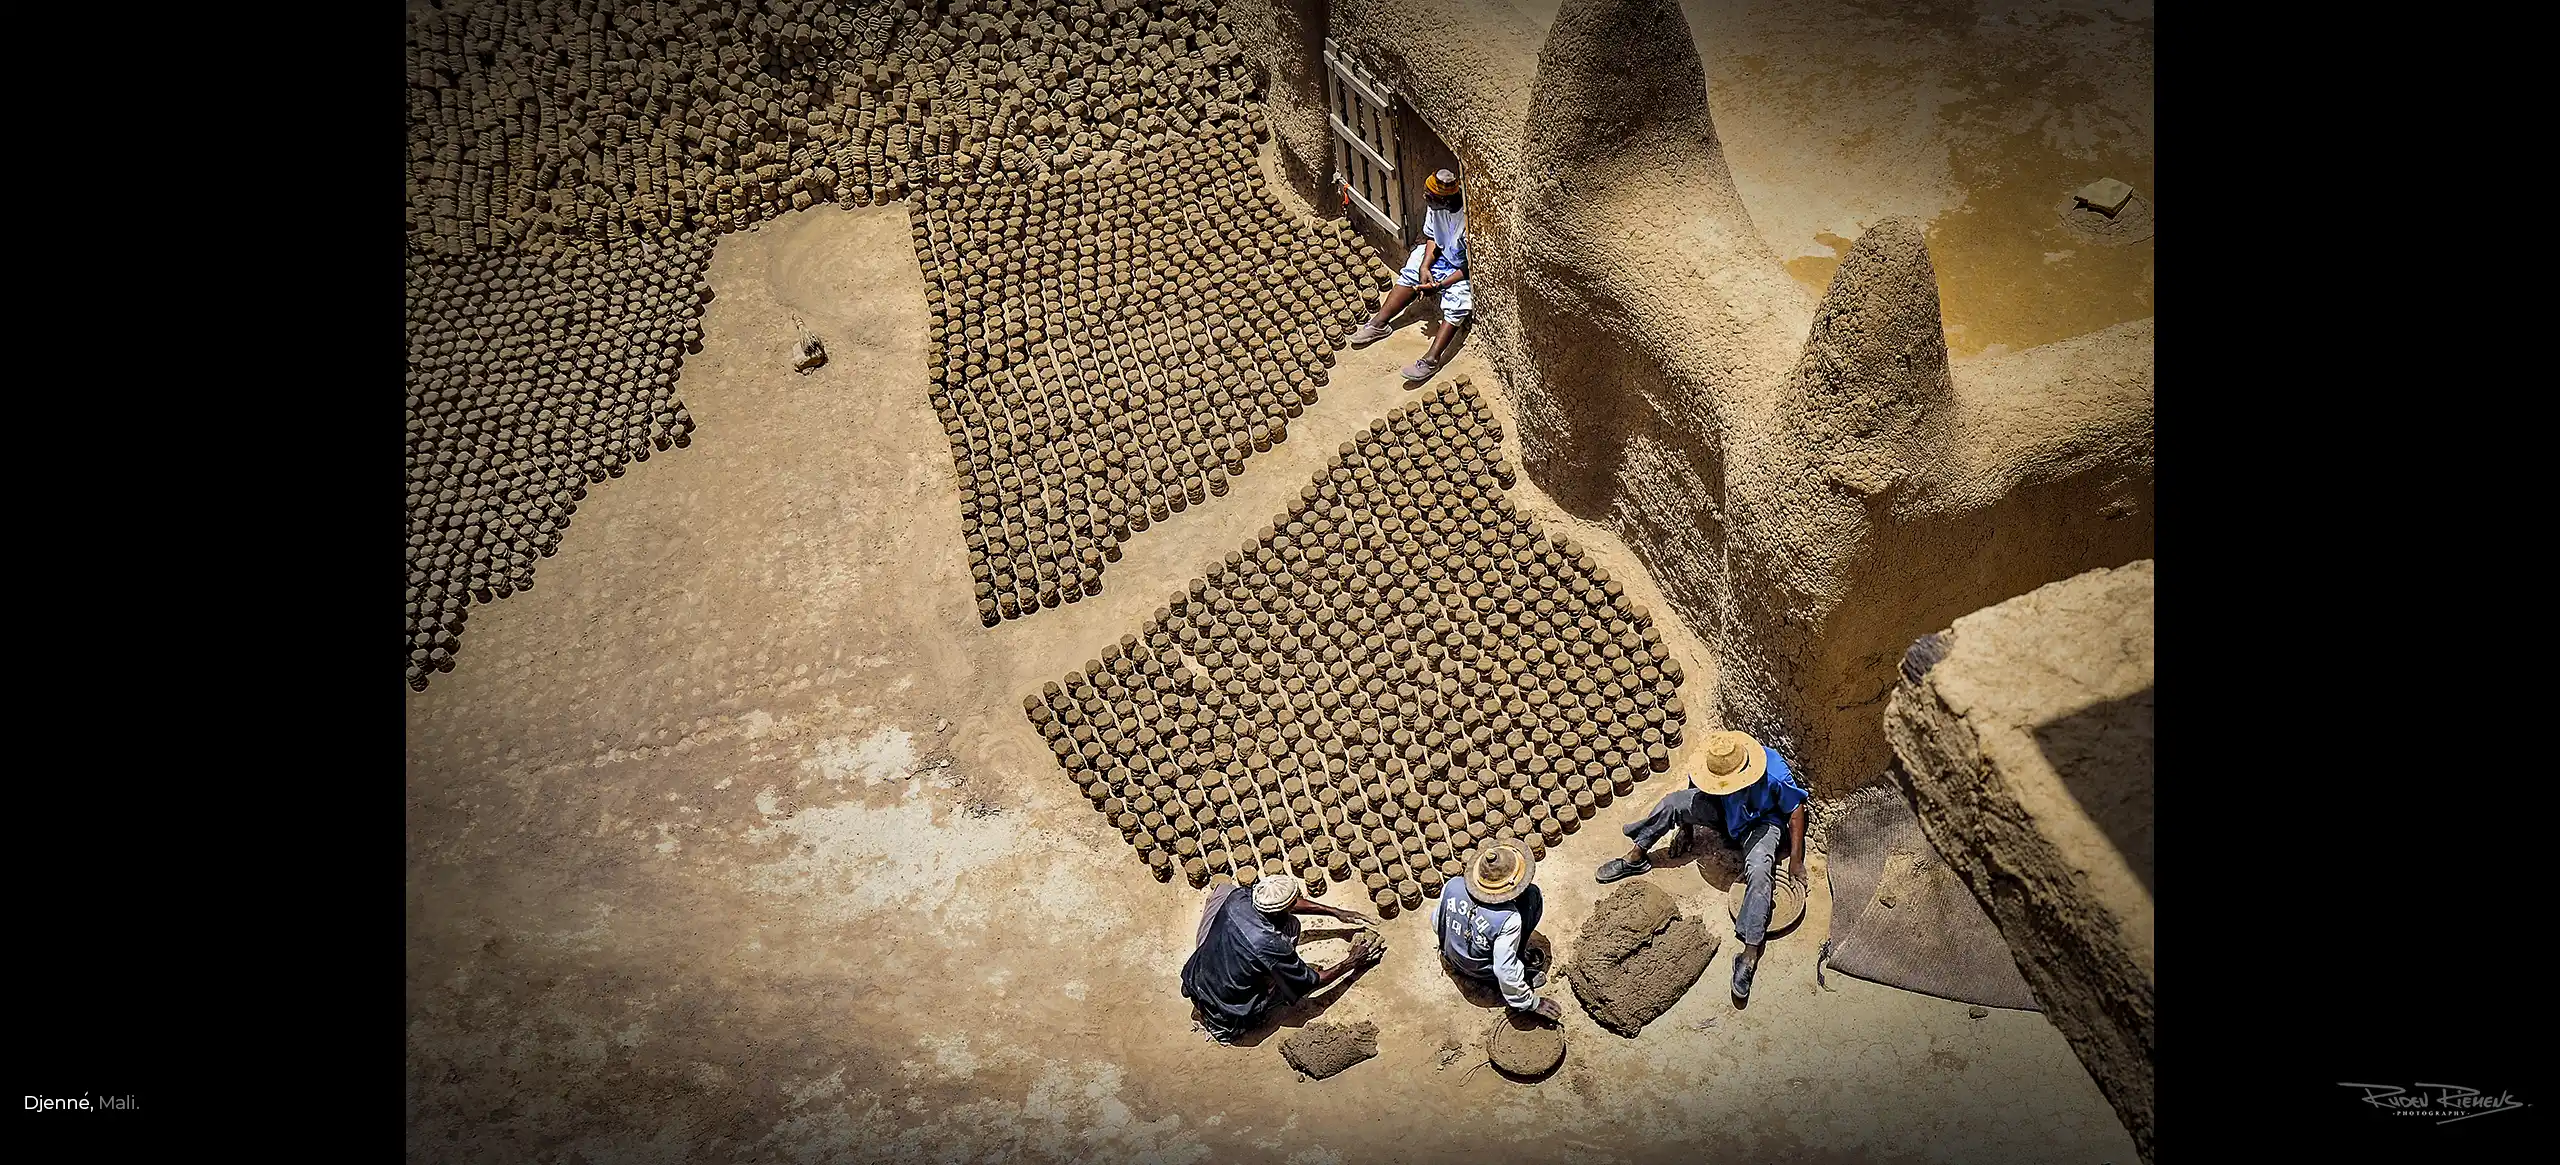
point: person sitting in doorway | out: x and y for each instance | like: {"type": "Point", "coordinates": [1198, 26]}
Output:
{"type": "Point", "coordinates": [1484, 936]}
{"type": "Point", "coordinates": [1748, 789]}
{"type": "Point", "coordinates": [1438, 267]}
{"type": "Point", "coordinates": [1246, 964]}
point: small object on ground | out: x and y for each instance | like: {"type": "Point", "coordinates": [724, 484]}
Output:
{"type": "Point", "coordinates": [1977, 1011]}
{"type": "Point", "coordinates": [1617, 868]}
{"type": "Point", "coordinates": [1636, 956]}
{"type": "Point", "coordinates": [1525, 1047]}
{"type": "Point", "coordinates": [2106, 196]}
{"type": "Point", "coordinates": [1322, 1049]}
{"type": "Point", "coordinates": [2131, 222]}
{"type": "Point", "coordinates": [1786, 905]}
{"type": "Point", "coordinates": [811, 354]}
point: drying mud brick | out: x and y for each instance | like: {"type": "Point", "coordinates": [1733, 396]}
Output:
{"type": "Point", "coordinates": [1321, 1049]}
{"type": "Point", "coordinates": [1671, 406]}
{"type": "Point", "coordinates": [570, 166]}
{"type": "Point", "coordinates": [531, 379]}
{"type": "Point", "coordinates": [1636, 956]}
{"type": "Point", "coordinates": [1097, 370]}
{"type": "Point", "coordinates": [1524, 1045]}
{"type": "Point", "coordinates": [1402, 667]}
{"type": "Point", "coordinates": [2027, 755]}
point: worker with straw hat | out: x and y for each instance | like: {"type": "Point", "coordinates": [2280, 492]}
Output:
{"type": "Point", "coordinates": [1484, 919]}
{"type": "Point", "coordinates": [1438, 267]}
{"type": "Point", "coordinates": [1246, 963]}
{"type": "Point", "coordinates": [1746, 791]}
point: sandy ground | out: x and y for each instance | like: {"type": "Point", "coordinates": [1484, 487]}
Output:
{"type": "Point", "coordinates": [730, 842]}
{"type": "Point", "coordinates": [1974, 117]}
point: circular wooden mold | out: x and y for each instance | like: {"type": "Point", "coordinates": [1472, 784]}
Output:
{"type": "Point", "coordinates": [1786, 903]}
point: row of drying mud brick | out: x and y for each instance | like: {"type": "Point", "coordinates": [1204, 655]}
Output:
{"type": "Point", "coordinates": [596, 149]}
{"type": "Point", "coordinates": [539, 121]}
{"type": "Point", "coordinates": [1401, 666]}
{"type": "Point", "coordinates": [1108, 353]}
{"type": "Point", "coordinates": [529, 379]}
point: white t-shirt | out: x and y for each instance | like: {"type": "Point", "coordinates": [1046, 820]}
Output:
{"type": "Point", "coordinates": [1448, 228]}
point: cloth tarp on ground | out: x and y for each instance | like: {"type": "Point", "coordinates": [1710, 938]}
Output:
{"type": "Point", "coordinates": [1935, 938]}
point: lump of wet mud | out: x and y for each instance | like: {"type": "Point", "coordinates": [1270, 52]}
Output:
{"type": "Point", "coordinates": [1525, 1045]}
{"type": "Point", "coordinates": [1636, 957]}
{"type": "Point", "coordinates": [1321, 1049]}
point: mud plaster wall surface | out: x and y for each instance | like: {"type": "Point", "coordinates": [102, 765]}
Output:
{"type": "Point", "coordinates": [2029, 761]}
{"type": "Point", "coordinates": [721, 849]}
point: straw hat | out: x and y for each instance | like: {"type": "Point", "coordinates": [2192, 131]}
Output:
{"type": "Point", "coordinates": [1732, 759]}
{"type": "Point", "coordinates": [1275, 893]}
{"type": "Point", "coordinates": [1507, 858]}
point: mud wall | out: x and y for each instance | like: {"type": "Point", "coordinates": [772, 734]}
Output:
{"type": "Point", "coordinates": [2027, 755]}
{"type": "Point", "coordinates": [1812, 484]}
{"type": "Point", "coordinates": [1285, 41]}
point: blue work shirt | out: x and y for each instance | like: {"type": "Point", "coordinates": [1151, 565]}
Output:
{"type": "Point", "coordinates": [1773, 797]}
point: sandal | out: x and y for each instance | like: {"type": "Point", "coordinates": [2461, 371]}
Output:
{"type": "Point", "coordinates": [1617, 868]}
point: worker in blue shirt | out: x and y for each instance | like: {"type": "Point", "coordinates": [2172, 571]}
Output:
{"type": "Point", "coordinates": [1746, 792]}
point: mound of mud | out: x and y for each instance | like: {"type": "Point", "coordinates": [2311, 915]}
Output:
{"type": "Point", "coordinates": [1321, 1049]}
{"type": "Point", "coordinates": [1636, 957]}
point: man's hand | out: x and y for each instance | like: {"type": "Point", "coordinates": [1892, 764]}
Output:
{"type": "Point", "coordinates": [1354, 917]}
{"type": "Point", "coordinates": [1550, 1010]}
{"type": "Point", "coordinates": [1795, 870]}
{"type": "Point", "coordinates": [1366, 949]}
